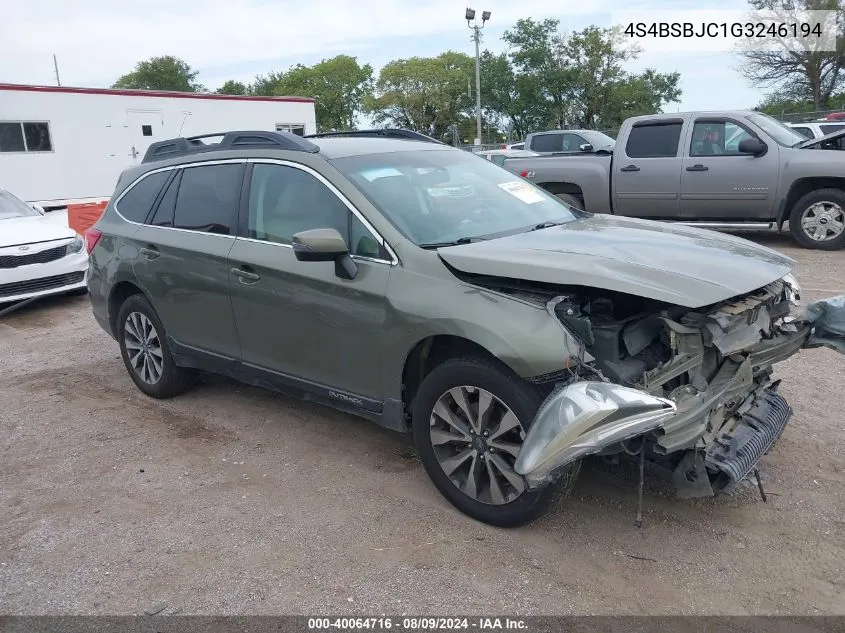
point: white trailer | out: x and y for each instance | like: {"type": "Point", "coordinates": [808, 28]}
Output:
{"type": "Point", "coordinates": [63, 145]}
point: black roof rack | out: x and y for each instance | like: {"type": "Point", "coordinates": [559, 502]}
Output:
{"type": "Point", "coordinates": [399, 133]}
{"type": "Point", "coordinates": [175, 147]}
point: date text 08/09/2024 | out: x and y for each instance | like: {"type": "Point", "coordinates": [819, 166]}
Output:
{"type": "Point", "coordinates": [415, 623]}
{"type": "Point", "coordinates": [723, 29]}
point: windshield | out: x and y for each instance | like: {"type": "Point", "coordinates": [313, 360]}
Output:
{"type": "Point", "coordinates": [778, 131]}
{"type": "Point", "coordinates": [12, 207]}
{"type": "Point", "coordinates": [440, 196]}
{"type": "Point", "coordinates": [600, 139]}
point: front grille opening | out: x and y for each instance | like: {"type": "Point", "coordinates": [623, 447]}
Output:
{"type": "Point", "coordinates": [43, 257]}
{"type": "Point", "coordinates": [44, 283]}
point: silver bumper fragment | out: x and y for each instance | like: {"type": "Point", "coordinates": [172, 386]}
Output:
{"type": "Point", "coordinates": [827, 317]}
{"type": "Point", "coordinates": [582, 419]}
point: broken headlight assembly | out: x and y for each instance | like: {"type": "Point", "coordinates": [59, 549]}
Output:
{"type": "Point", "coordinates": [792, 289]}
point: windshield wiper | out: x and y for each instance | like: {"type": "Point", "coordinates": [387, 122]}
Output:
{"type": "Point", "coordinates": [457, 242]}
{"type": "Point", "coordinates": [545, 225]}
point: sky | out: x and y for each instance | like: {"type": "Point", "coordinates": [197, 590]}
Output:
{"type": "Point", "coordinates": [96, 41]}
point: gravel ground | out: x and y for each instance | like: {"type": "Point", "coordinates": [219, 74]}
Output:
{"type": "Point", "coordinates": [231, 500]}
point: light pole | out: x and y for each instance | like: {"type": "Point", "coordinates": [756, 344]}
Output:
{"type": "Point", "coordinates": [476, 36]}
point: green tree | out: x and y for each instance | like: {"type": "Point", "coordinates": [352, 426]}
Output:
{"type": "Point", "coordinates": [792, 71]}
{"type": "Point", "coordinates": [638, 94]}
{"type": "Point", "coordinates": [265, 85]}
{"type": "Point", "coordinates": [541, 69]}
{"type": "Point", "coordinates": [778, 106]}
{"type": "Point", "coordinates": [580, 79]}
{"type": "Point", "coordinates": [426, 94]}
{"type": "Point", "coordinates": [161, 73]}
{"type": "Point", "coordinates": [232, 87]}
{"type": "Point", "coordinates": [339, 86]}
{"type": "Point", "coordinates": [510, 99]}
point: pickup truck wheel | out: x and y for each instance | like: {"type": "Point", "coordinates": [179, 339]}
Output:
{"type": "Point", "coordinates": [571, 200]}
{"type": "Point", "coordinates": [818, 220]}
{"type": "Point", "coordinates": [470, 417]}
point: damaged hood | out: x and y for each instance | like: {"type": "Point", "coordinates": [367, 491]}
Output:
{"type": "Point", "coordinates": [822, 139]}
{"type": "Point", "coordinates": [673, 263]}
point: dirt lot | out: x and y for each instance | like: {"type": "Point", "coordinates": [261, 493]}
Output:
{"type": "Point", "coordinates": [235, 500]}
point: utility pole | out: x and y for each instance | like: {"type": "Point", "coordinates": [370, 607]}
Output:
{"type": "Point", "coordinates": [56, 68]}
{"type": "Point", "coordinates": [476, 37]}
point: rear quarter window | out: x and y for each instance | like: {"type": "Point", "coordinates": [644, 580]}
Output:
{"type": "Point", "coordinates": [136, 203]}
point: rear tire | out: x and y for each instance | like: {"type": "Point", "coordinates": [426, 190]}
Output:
{"type": "Point", "coordinates": [571, 201]}
{"type": "Point", "coordinates": [470, 485]}
{"type": "Point", "coordinates": [817, 220]}
{"type": "Point", "coordinates": [145, 352]}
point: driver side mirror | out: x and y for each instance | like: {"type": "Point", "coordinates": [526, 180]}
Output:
{"type": "Point", "coordinates": [585, 147]}
{"type": "Point", "coordinates": [38, 208]}
{"type": "Point", "coordinates": [752, 146]}
{"type": "Point", "coordinates": [325, 245]}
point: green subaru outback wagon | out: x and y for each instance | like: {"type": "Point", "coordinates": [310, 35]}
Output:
{"type": "Point", "coordinates": [437, 294]}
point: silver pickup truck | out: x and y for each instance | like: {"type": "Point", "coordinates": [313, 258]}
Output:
{"type": "Point", "coordinates": [737, 169]}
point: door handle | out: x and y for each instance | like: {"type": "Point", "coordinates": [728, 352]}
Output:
{"type": "Point", "coordinates": [150, 252]}
{"type": "Point", "coordinates": [630, 168]}
{"type": "Point", "coordinates": [245, 276]}
{"type": "Point", "coordinates": [698, 167]}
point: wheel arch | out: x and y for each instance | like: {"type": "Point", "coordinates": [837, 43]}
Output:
{"type": "Point", "coordinates": [563, 187]}
{"type": "Point", "coordinates": [433, 350]}
{"type": "Point", "coordinates": [802, 187]}
{"type": "Point", "coordinates": [120, 293]}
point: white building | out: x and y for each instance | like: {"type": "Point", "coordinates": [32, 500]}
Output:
{"type": "Point", "coordinates": [60, 145]}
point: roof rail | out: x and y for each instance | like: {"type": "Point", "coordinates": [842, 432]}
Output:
{"type": "Point", "coordinates": [399, 133]}
{"type": "Point", "coordinates": [184, 146]}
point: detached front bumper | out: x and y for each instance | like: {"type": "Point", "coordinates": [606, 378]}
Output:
{"type": "Point", "coordinates": [722, 429]}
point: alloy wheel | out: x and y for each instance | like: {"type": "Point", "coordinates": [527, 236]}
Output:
{"type": "Point", "coordinates": [143, 347]}
{"type": "Point", "coordinates": [476, 439]}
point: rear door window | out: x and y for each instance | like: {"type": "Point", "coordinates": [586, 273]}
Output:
{"type": "Point", "coordinates": [654, 140]}
{"type": "Point", "coordinates": [208, 198]}
{"type": "Point", "coordinates": [135, 205]}
{"type": "Point", "coordinates": [547, 143]}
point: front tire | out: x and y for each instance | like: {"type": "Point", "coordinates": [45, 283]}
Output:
{"type": "Point", "coordinates": [818, 220]}
{"type": "Point", "coordinates": [469, 417]}
{"type": "Point", "coordinates": [145, 352]}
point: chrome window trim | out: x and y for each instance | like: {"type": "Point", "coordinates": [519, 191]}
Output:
{"type": "Point", "coordinates": [382, 242]}
{"type": "Point", "coordinates": [135, 182]}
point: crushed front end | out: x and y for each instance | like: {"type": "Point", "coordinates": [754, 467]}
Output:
{"type": "Point", "coordinates": [691, 388]}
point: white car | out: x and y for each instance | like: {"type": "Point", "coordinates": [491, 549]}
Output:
{"type": "Point", "coordinates": [38, 257]}
{"type": "Point", "coordinates": [817, 129]}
